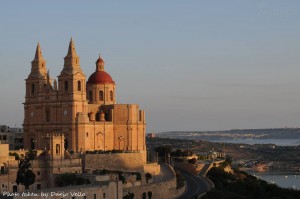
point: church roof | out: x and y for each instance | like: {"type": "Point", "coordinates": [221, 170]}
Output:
{"type": "Point", "coordinates": [100, 77]}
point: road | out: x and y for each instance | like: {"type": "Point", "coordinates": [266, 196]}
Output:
{"type": "Point", "coordinates": [165, 174]}
{"type": "Point", "coordinates": [196, 185]}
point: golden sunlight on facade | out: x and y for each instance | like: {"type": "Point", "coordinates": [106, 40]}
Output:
{"type": "Point", "coordinates": [78, 115]}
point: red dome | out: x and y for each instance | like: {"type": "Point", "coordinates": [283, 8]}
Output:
{"type": "Point", "coordinates": [100, 77]}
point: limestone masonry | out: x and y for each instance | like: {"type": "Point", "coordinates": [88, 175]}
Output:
{"type": "Point", "coordinates": [78, 115]}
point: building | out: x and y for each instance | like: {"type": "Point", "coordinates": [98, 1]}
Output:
{"type": "Point", "coordinates": [12, 136]}
{"type": "Point", "coordinates": [46, 170]}
{"type": "Point", "coordinates": [84, 112]}
{"type": "Point", "coordinates": [151, 135]}
{"type": "Point", "coordinates": [77, 127]}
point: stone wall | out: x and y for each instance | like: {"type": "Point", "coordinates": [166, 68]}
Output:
{"type": "Point", "coordinates": [111, 190]}
{"type": "Point", "coordinates": [43, 170]}
{"type": "Point", "coordinates": [127, 162]}
{"type": "Point", "coordinates": [162, 190]}
{"type": "Point", "coordinates": [4, 150]}
{"type": "Point", "coordinates": [152, 168]}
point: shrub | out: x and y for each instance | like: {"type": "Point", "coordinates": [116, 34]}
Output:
{"type": "Point", "coordinates": [129, 195]}
{"type": "Point", "coordinates": [70, 179]}
{"type": "Point", "coordinates": [148, 176]}
{"type": "Point", "coordinates": [192, 161]}
{"type": "Point", "coordinates": [138, 176]}
{"type": "Point", "coordinates": [17, 157]}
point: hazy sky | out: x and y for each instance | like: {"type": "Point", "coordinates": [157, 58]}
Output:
{"type": "Point", "coordinates": [192, 65]}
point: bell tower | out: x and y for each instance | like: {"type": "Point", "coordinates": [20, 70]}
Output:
{"type": "Point", "coordinates": [38, 75]}
{"type": "Point", "coordinates": [35, 83]}
{"type": "Point", "coordinates": [71, 80]}
{"type": "Point", "coordinates": [71, 94]}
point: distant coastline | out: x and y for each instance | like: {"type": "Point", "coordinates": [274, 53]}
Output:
{"type": "Point", "coordinates": [239, 135]}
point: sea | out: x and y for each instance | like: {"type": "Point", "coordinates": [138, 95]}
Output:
{"type": "Point", "coordinates": [285, 180]}
{"type": "Point", "coordinates": [278, 142]}
{"type": "Point", "coordinates": [282, 179]}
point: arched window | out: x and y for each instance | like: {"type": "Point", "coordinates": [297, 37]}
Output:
{"type": "Point", "coordinates": [101, 95]}
{"type": "Point", "coordinates": [57, 149]}
{"type": "Point", "coordinates": [79, 85]}
{"type": "Point", "coordinates": [111, 95]}
{"type": "Point", "coordinates": [32, 89]}
{"type": "Point", "coordinates": [144, 196]}
{"type": "Point", "coordinates": [149, 194]}
{"type": "Point", "coordinates": [66, 86]}
{"type": "Point", "coordinates": [87, 134]}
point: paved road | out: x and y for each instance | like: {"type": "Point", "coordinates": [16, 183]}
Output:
{"type": "Point", "coordinates": [165, 174]}
{"type": "Point", "coordinates": [196, 185]}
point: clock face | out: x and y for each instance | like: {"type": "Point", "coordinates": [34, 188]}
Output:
{"type": "Point", "coordinates": [65, 112]}
{"type": "Point", "coordinates": [32, 113]}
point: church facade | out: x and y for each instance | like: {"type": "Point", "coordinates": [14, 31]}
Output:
{"type": "Point", "coordinates": [81, 113]}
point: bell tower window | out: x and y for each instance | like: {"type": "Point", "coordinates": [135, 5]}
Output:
{"type": "Point", "coordinates": [79, 85]}
{"type": "Point", "coordinates": [32, 89]}
{"type": "Point", "coordinates": [101, 95]}
{"type": "Point", "coordinates": [66, 86]}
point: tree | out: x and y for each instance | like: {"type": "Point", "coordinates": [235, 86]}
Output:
{"type": "Point", "coordinates": [25, 175]}
{"type": "Point", "coordinates": [68, 179]}
{"type": "Point", "coordinates": [31, 154]}
{"type": "Point", "coordinates": [192, 161]}
{"type": "Point", "coordinates": [148, 176]}
{"type": "Point", "coordinates": [177, 153]}
{"type": "Point", "coordinates": [17, 157]}
{"type": "Point", "coordinates": [129, 195]}
{"type": "Point", "coordinates": [121, 177]}
{"type": "Point", "coordinates": [138, 176]}
{"type": "Point", "coordinates": [163, 150]}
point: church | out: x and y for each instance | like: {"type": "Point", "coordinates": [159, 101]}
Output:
{"type": "Point", "coordinates": [76, 113]}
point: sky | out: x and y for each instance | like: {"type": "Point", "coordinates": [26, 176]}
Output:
{"type": "Point", "coordinates": [191, 65]}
